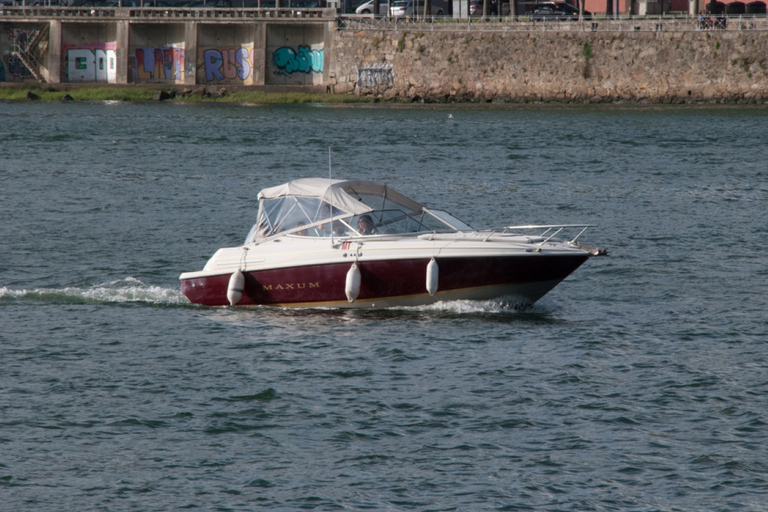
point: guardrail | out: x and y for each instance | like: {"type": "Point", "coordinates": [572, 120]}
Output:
{"type": "Point", "coordinates": [429, 24]}
{"type": "Point", "coordinates": [524, 24]}
{"type": "Point", "coordinates": [65, 13]}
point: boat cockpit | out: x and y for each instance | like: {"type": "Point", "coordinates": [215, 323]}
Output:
{"type": "Point", "coordinates": [312, 217]}
{"type": "Point", "coordinates": [349, 212]}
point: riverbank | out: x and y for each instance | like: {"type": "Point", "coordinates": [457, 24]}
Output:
{"type": "Point", "coordinates": [236, 57]}
{"type": "Point", "coordinates": [101, 92]}
{"type": "Point", "coordinates": [76, 92]}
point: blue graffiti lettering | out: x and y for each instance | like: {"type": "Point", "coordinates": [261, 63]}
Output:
{"type": "Point", "coordinates": [213, 63]}
{"type": "Point", "coordinates": [227, 64]}
{"type": "Point", "coordinates": [243, 66]}
{"type": "Point", "coordinates": [305, 60]}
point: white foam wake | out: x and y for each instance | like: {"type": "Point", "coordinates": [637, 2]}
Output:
{"type": "Point", "coordinates": [499, 305]}
{"type": "Point", "coordinates": [124, 290]}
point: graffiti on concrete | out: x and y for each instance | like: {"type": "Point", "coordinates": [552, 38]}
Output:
{"type": "Point", "coordinates": [20, 36]}
{"type": "Point", "coordinates": [19, 39]}
{"type": "Point", "coordinates": [159, 63]}
{"type": "Point", "coordinates": [90, 65]}
{"type": "Point", "coordinates": [305, 60]}
{"type": "Point", "coordinates": [228, 64]}
{"type": "Point", "coordinates": [17, 69]}
{"type": "Point", "coordinates": [375, 77]}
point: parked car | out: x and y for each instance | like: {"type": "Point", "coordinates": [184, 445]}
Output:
{"type": "Point", "coordinates": [557, 11]}
{"type": "Point", "coordinates": [158, 3]}
{"type": "Point", "coordinates": [410, 8]}
{"type": "Point", "coordinates": [756, 7]}
{"type": "Point", "coordinates": [87, 3]}
{"type": "Point", "coordinates": [367, 8]}
{"type": "Point", "coordinates": [254, 4]}
{"type": "Point", "coordinates": [124, 3]}
{"type": "Point", "coordinates": [94, 3]}
{"type": "Point", "coordinates": [205, 4]}
{"type": "Point", "coordinates": [476, 8]}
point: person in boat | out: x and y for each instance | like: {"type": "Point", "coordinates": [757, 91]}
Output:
{"type": "Point", "coordinates": [301, 232]}
{"type": "Point", "coordinates": [365, 225]}
{"type": "Point", "coordinates": [339, 229]}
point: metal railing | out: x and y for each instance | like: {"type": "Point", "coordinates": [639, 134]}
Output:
{"type": "Point", "coordinates": [164, 13]}
{"type": "Point", "coordinates": [421, 24]}
{"type": "Point", "coordinates": [27, 50]}
{"type": "Point", "coordinates": [524, 24]}
{"type": "Point", "coordinates": [295, 12]}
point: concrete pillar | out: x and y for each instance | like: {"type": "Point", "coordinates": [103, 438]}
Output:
{"type": "Point", "coordinates": [259, 53]}
{"type": "Point", "coordinates": [121, 52]}
{"type": "Point", "coordinates": [54, 53]}
{"type": "Point", "coordinates": [190, 53]}
{"type": "Point", "coordinates": [330, 28]}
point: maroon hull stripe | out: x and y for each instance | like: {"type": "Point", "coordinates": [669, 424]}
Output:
{"type": "Point", "coordinates": [381, 279]}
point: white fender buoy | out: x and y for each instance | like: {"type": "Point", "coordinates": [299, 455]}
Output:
{"type": "Point", "coordinates": [235, 288]}
{"type": "Point", "coordinates": [433, 273]}
{"type": "Point", "coordinates": [352, 286]}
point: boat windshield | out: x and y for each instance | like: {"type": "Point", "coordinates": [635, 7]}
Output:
{"type": "Point", "coordinates": [395, 222]}
{"type": "Point", "coordinates": [450, 220]}
{"type": "Point", "coordinates": [378, 222]}
{"type": "Point", "coordinates": [384, 210]}
{"type": "Point", "coordinates": [291, 213]}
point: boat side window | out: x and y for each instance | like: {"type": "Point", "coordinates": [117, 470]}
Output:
{"type": "Point", "coordinates": [290, 215]}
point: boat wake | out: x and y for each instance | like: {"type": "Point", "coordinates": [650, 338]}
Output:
{"type": "Point", "coordinates": [132, 290]}
{"type": "Point", "coordinates": [126, 290]}
{"type": "Point", "coordinates": [498, 305]}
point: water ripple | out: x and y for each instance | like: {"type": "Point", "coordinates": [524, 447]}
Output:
{"type": "Point", "coordinates": [638, 384]}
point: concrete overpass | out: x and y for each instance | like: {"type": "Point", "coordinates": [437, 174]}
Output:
{"type": "Point", "coordinates": [179, 46]}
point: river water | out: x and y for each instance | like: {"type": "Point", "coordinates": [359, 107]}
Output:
{"type": "Point", "coordinates": [639, 383]}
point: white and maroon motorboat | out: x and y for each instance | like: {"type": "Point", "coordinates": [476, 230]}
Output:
{"type": "Point", "coordinates": [359, 244]}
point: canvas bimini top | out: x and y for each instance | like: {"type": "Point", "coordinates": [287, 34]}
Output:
{"type": "Point", "coordinates": [321, 207]}
{"type": "Point", "coordinates": [351, 196]}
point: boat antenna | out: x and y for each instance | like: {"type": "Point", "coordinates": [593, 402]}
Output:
{"type": "Point", "coordinates": [330, 182]}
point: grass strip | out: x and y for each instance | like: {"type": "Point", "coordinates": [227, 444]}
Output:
{"type": "Point", "coordinates": [51, 93]}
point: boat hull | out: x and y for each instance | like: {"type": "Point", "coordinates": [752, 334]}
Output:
{"type": "Point", "coordinates": [387, 283]}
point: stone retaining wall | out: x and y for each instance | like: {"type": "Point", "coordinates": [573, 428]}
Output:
{"type": "Point", "coordinates": [727, 66]}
